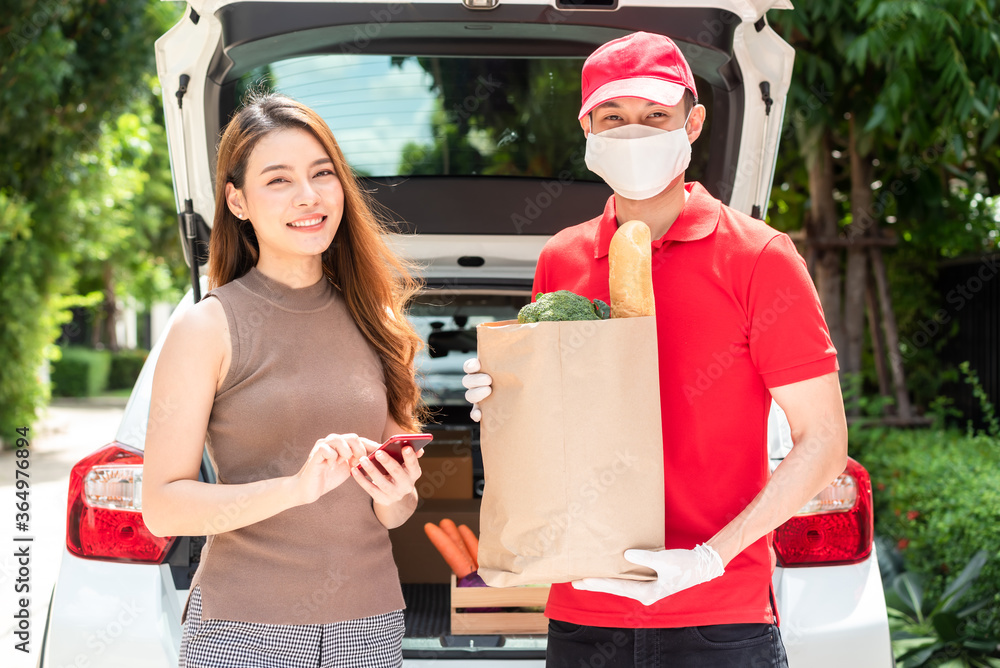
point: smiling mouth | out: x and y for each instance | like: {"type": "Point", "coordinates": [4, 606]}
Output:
{"type": "Point", "coordinates": [307, 222]}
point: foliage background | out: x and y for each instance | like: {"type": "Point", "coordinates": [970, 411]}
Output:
{"type": "Point", "coordinates": [937, 498]}
{"type": "Point", "coordinates": [906, 94]}
{"type": "Point", "coordinates": [86, 203]}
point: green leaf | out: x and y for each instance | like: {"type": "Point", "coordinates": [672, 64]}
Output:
{"type": "Point", "coordinates": [896, 613]}
{"type": "Point", "coordinates": [857, 53]}
{"type": "Point", "coordinates": [974, 607]}
{"type": "Point", "coordinates": [953, 663]}
{"type": "Point", "coordinates": [921, 657]}
{"type": "Point", "coordinates": [982, 645]}
{"type": "Point", "coordinates": [954, 592]}
{"type": "Point", "coordinates": [981, 108]}
{"type": "Point", "coordinates": [990, 136]}
{"type": "Point", "coordinates": [946, 624]}
{"type": "Point", "coordinates": [911, 591]}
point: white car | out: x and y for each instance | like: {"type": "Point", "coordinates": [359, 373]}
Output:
{"type": "Point", "coordinates": [460, 114]}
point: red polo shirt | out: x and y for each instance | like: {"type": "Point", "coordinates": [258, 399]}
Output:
{"type": "Point", "coordinates": [736, 314]}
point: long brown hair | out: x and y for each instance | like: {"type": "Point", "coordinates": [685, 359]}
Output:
{"type": "Point", "coordinates": [376, 284]}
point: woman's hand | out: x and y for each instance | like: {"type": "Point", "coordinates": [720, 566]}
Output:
{"type": "Point", "coordinates": [328, 466]}
{"type": "Point", "coordinates": [400, 482]}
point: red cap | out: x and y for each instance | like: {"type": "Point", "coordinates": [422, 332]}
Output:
{"type": "Point", "coordinates": [638, 65]}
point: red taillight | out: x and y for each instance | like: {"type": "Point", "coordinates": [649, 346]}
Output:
{"type": "Point", "coordinates": [104, 519]}
{"type": "Point", "coordinates": [836, 527]}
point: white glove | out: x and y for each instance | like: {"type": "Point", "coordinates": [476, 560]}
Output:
{"type": "Point", "coordinates": [676, 570]}
{"type": "Point", "coordinates": [479, 386]}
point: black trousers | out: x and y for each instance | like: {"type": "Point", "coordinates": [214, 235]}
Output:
{"type": "Point", "coordinates": [718, 646]}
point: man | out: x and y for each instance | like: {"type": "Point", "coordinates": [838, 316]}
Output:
{"type": "Point", "coordinates": [738, 322]}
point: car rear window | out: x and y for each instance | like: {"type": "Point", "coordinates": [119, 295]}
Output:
{"type": "Point", "coordinates": [410, 115]}
{"type": "Point", "coordinates": [397, 116]}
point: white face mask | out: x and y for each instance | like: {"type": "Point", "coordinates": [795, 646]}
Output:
{"type": "Point", "coordinates": [638, 161]}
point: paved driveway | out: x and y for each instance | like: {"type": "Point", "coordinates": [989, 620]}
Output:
{"type": "Point", "coordinates": [67, 432]}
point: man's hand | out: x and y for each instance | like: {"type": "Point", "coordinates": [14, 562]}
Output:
{"type": "Point", "coordinates": [676, 570]}
{"type": "Point", "coordinates": [478, 385]}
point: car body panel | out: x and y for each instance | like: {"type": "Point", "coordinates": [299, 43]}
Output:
{"type": "Point", "coordinates": [834, 615]}
{"type": "Point", "coordinates": [138, 411]}
{"type": "Point", "coordinates": [112, 615]}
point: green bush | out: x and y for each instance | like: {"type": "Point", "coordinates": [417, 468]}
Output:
{"type": "Point", "coordinates": [937, 497]}
{"type": "Point", "coordinates": [28, 319]}
{"type": "Point", "coordinates": [125, 368]}
{"type": "Point", "coordinates": [81, 372]}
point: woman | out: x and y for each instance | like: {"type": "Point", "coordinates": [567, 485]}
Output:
{"type": "Point", "coordinates": [303, 335]}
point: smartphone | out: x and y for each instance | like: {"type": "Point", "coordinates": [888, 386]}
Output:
{"type": "Point", "coordinates": [394, 447]}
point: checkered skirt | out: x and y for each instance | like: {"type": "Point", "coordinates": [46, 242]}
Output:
{"type": "Point", "coordinates": [371, 642]}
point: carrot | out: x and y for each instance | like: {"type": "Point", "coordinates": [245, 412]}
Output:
{"type": "Point", "coordinates": [471, 543]}
{"type": "Point", "coordinates": [448, 526]}
{"type": "Point", "coordinates": [457, 558]}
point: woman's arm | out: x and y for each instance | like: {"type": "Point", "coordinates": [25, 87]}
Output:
{"type": "Point", "coordinates": [394, 496]}
{"type": "Point", "coordinates": [191, 366]}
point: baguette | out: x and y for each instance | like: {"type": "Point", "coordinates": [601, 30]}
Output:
{"type": "Point", "coordinates": [630, 262]}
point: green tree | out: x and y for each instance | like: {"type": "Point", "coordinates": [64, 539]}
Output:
{"type": "Point", "coordinates": [895, 108]}
{"type": "Point", "coordinates": [68, 70]}
{"type": "Point", "coordinates": [508, 120]}
{"type": "Point", "coordinates": [124, 199]}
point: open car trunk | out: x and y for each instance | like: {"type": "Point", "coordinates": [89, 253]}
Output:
{"type": "Point", "coordinates": [462, 124]}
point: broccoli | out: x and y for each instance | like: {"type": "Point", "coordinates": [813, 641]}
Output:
{"type": "Point", "coordinates": [562, 305]}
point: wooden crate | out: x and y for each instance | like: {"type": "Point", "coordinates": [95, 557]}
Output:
{"type": "Point", "coordinates": [475, 623]}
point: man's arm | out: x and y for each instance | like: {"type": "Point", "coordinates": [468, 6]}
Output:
{"type": "Point", "coordinates": [815, 410]}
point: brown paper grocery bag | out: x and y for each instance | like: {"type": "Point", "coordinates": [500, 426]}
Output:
{"type": "Point", "coordinates": [572, 450]}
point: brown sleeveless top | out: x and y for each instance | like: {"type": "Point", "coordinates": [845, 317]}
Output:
{"type": "Point", "coordinates": [300, 370]}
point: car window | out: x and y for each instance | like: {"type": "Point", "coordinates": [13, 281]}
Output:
{"type": "Point", "coordinates": [447, 116]}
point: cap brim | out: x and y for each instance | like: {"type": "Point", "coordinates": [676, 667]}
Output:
{"type": "Point", "coordinates": [657, 91]}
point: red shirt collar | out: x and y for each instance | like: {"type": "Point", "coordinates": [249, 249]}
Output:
{"type": "Point", "coordinates": [697, 220]}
